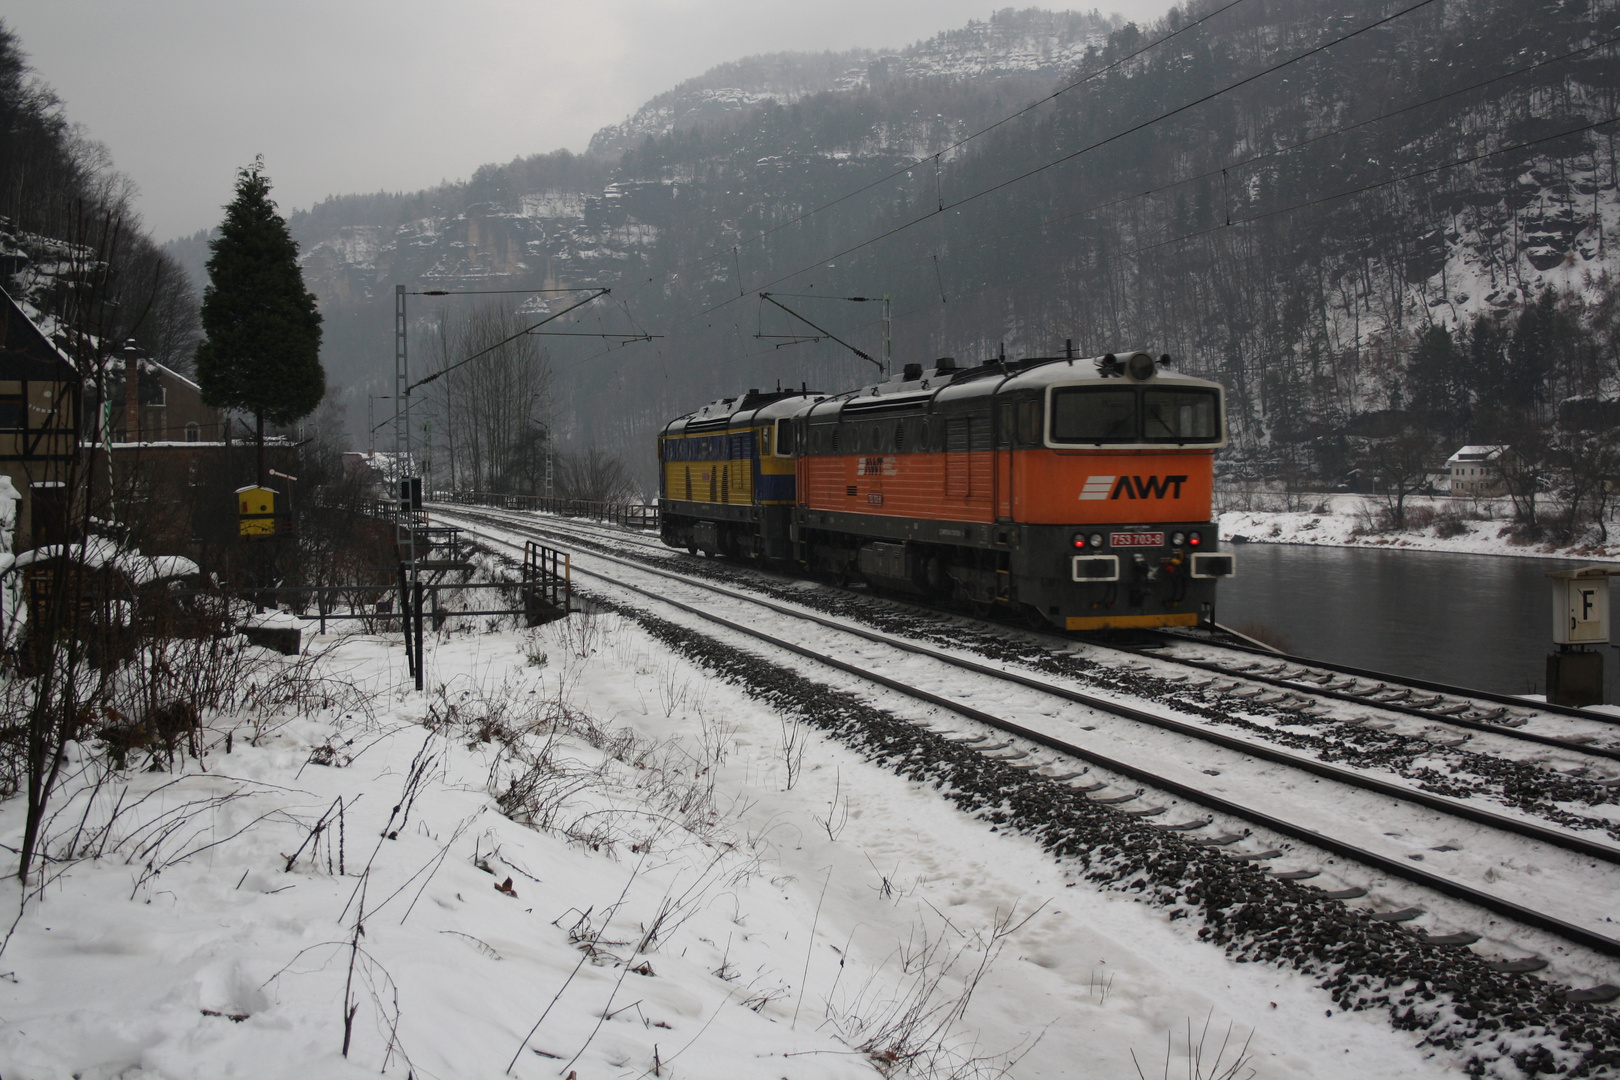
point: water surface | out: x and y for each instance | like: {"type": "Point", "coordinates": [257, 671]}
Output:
{"type": "Point", "coordinates": [1471, 620]}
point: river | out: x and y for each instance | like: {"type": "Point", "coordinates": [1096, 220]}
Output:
{"type": "Point", "coordinates": [1469, 620]}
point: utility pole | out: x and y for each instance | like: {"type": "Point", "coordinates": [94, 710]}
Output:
{"type": "Point", "coordinates": [408, 515]}
{"type": "Point", "coordinates": [371, 418]}
{"type": "Point", "coordinates": [410, 519]}
{"type": "Point", "coordinates": [551, 481]}
{"type": "Point", "coordinates": [888, 338]}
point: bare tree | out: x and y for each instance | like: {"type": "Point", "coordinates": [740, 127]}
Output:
{"type": "Point", "coordinates": [1583, 467]}
{"type": "Point", "coordinates": [1398, 466]}
{"type": "Point", "coordinates": [594, 476]}
{"type": "Point", "coordinates": [489, 412]}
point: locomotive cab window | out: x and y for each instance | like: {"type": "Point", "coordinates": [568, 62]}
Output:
{"type": "Point", "coordinates": [764, 442]}
{"type": "Point", "coordinates": [1005, 424]}
{"type": "Point", "coordinates": [1029, 423]}
{"type": "Point", "coordinates": [1094, 414]}
{"type": "Point", "coordinates": [1180, 415]}
{"type": "Point", "coordinates": [784, 438]}
{"type": "Point", "coordinates": [1128, 414]}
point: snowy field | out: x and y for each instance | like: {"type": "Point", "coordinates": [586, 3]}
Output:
{"type": "Point", "coordinates": [578, 854]}
{"type": "Point", "coordinates": [1344, 521]}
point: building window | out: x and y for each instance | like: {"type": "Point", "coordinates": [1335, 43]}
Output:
{"type": "Point", "coordinates": [193, 432]}
{"type": "Point", "coordinates": [11, 411]}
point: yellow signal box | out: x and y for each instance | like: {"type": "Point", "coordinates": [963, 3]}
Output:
{"type": "Point", "coordinates": [256, 512]}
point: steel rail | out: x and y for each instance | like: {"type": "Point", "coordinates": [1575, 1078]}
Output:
{"type": "Point", "coordinates": [1216, 667]}
{"type": "Point", "coordinates": [1420, 684]}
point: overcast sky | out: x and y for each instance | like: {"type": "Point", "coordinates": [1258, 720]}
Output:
{"type": "Point", "coordinates": [355, 95]}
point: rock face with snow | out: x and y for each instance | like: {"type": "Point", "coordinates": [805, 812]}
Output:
{"type": "Point", "coordinates": [1045, 43]}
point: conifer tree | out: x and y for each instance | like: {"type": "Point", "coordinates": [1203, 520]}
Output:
{"type": "Point", "coordinates": [261, 353]}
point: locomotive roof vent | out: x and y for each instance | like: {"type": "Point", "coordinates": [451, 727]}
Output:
{"type": "Point", "coordinates": [945, 363]}
{"type": "Point", "coordinates": [911, 373]}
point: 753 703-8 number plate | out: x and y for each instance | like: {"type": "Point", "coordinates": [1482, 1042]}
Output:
{"type": "Point", "coordinates": [1136, 539]}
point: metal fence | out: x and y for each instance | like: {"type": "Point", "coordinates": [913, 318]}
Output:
{"type": "Point", "coordinates": [630, 515]}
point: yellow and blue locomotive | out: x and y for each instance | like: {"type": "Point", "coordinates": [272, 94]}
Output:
{"type": "Point", "coordinates": [728, 484]}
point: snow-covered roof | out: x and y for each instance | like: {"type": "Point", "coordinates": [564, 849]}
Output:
{"type": "Point", "coordinates": [98, 551]}
{"type": "Point", "coordinates": [171, 373]}
{"type": "Point", "coordinates": [1481, 453]}
{"type": "Point", "coordinates": [24, 320]}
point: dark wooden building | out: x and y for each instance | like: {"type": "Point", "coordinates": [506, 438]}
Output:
{"type": "Point", "coordinates": [40, 421]}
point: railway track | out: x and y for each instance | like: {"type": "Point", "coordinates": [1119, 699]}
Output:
{"type": "Point", "coordinates": [1386, 702]}
{"type": "Point", "coordinates": [1227, 786]}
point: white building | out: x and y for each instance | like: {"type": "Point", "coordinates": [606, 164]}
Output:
{"type": "Point", "coordinates": [1477, 471]}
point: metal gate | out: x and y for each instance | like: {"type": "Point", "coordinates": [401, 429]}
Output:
{"type": "Point", "coordinates": [548, 585]}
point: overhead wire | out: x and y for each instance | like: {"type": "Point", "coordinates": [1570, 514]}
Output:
{"type": "Point", "coordinates": [1072, 155]}
{"type": "Point", "coordinates": [938, 154]}
{"type": "Point", "coordinates": [964, 140]}
{"type": "Point", "coordinates": [1185, 180]}
{"type": "Point", "coordinates": [1274, 152]}
{"type": "Point", "coordinates": [1305, 204]}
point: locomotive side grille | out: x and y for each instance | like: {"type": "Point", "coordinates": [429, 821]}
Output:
{"type": "Point", "coordinates": [958, 439]}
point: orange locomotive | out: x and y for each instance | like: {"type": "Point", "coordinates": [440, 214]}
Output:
{"type": "Point", "coordinates": [1074, 492]}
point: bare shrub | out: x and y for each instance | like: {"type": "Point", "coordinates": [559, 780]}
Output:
{"type": "Point", "coordinates": [1450, 524]}
{"type": "Point", "coordinates": [910, 1029]}
{"type": "Point", "coordinates": [795, 740]}
{"type": "Point", "coordinates": [1218, 1067]}
{"type": "Point", "coordinates": [1419, 518]}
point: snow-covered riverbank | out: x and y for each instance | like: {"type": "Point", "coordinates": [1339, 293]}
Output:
{"type": "Point", "coordinates": [1434, 524]}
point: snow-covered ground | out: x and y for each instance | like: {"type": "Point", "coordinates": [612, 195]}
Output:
{"type": "Point", "coordinates": [1344, 521]}
{"type": "Point", "coordinates": [672, 890]}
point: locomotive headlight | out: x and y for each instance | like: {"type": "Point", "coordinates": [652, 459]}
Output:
{"type": "Point", "coordinates": [1195, 539]}
{"type": "Point", "coordinates": [1141, 367]}
{"type": "Point", "coordinates": [1096, 540]}
{"type": "Point", "coordinates": [1177, 539]}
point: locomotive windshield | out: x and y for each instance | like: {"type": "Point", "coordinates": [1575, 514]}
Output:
{"type": "Point", "coordinates": [1094, 414]}
{"type": "Point", "coordinates": [1180, 415]}
{"type": "Point", "coordinates": [1124, 414]}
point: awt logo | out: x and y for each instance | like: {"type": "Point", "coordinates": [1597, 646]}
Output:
{"type": "Point", "coordinates": [1132, 487]}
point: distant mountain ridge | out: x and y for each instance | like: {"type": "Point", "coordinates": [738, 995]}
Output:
{"type": "Point", "coordinates": [1027, 42]}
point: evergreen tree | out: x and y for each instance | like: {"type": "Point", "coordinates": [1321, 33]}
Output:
{"type": "Point", "coordinates": [262, 350]}
{"type": "Point", "coordinates": [1437, 382]}
{"type": "Point", "coordinates": [1531, 351]}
